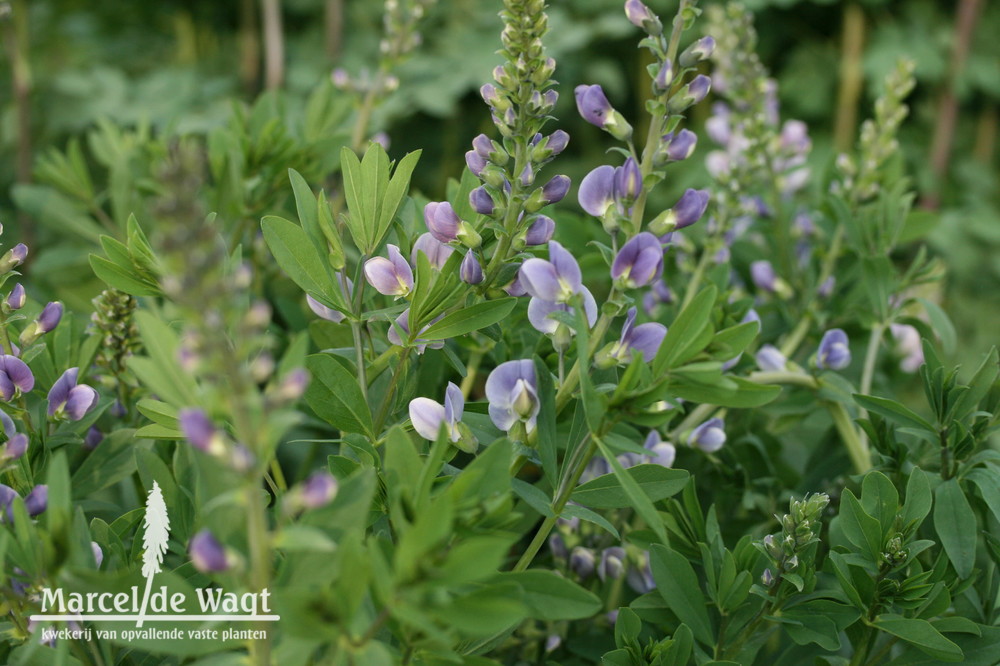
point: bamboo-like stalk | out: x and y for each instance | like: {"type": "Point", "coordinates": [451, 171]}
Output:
{"type": "Point", "coordinates": [947, 114]}
{"type": "Point", "coordinates": [851, 77]}
{"type": "Point", "coordinates": [274, 44]}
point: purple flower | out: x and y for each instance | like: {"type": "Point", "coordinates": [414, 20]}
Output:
{"type": "Point", "coordinates": [16, 298]}
{"type": "Point", "coordinates": [392, 276]}
{"type": "Point", "coordinates": [428, 417]}
{"type": "Point", "coordinates": [69, 398]}
{"type": "Point", "coordinates": [680, 146]}
{"type": "Point", "coordinates": [481, 201]}
{"type": "Point", "coordinates": [688, 210]}
{"type": "Point", "coordinates": [318, 490]}
{"type": "Point", "coordinates": [628, 182]}
{"type": "Point", "coordinates": [641, 17]}
{"type": "Point", "coordinates": [98, 554]}
{"type": "Point", "coordinates": [825, 290]}
{"type": "Point", "coordinates": [200, 431]}
{"type": "Point", "coordinates": [597, 191]}
{"type": "Point", "coordinates": [834, 352]}
{"type": "Point", "coordinates": [444, 223]}
{"type": "Point", "coordinates": [540, 309]}
{"type": "Point", "coordinates": [15, 377]}
{"type": "Point", "coordinates": [763, 275]}
{"type": "Point", "coordinates": [557, 546]}
{"type": "Point", "coordinates": [14, 448]}
{"type": "Point", "coordinates": [207, 554]}
{"type": "Point", "coordinates": [471, 271]}
{"type": "Point", "coordinates": [49, 319]}
{"type": "Point", "coordinates": [644, 339]}
{"type": "Point", "coordinates": [13, 258]}
{"type": "Point", "coordinates": [336, 316]}
{"type": "Point", "coordinates": [909, 345]}
{"type": "Point", "coordinates": [709, 436]}
{"type": "Point", "coordinates": [697, 52]}
{"type": "Point", "coordinates": [7, 497]}
{"type": "Point", "coordinates": [697, 89]}
{"type": "Point", "coordinates": [437, 252]}
{"type": "Point", "coordinates": [37, 500]}
{"type": "Point", "coordinates": [475, 162]}
{"type": "Point", "coordinates": [540, 232]}
{"type": "Point", "coordinates": [582, 562]}
{"type": "Point", "coordinates": [512, 391]}
{"type": "Point", "coordinates": [552, 643]}
{"type": "Point", "coordinates": [93, 438]}
{"type": "Point", "coordinates": [593, 104]}
{"type": "Point", "coordinates": [663, 79]}
{"type": "Point", "coordinates": [612, 563]}
{"type": "Point", "coordinates": [554, 190]}
{"type": "Point", "coordinates": [770, 359]}
{"type": "Point", "coordinates": [640, 578]}
{"type": "Point", "coordinates": [403, 323]}
{"type": "Point", "coordinates": [483, 146]}
{"type": "Point", "coordinates": [556, 143]}
{"type": "Point", "coordinates": [639, 261]}
{"type": "Point", "coordinates": [595, 108]}
{"type": "Point", "coordinates": [660, 452]}
{"type": "Point", "coordinates": [556, 280]}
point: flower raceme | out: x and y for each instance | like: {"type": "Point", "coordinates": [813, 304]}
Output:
{"type": "Point", "coordinates": [512, 392]}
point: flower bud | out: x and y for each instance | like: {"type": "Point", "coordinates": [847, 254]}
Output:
{"type": "Point", "coordinates": [37, 500]}
{"type": "Point", "coordinates": [16, 298]}
{"type": "Point", "coordinates": [834, 352]}
{"type": "Point", "coordinates": [695, 91]}
{"type": "Point", "coordinates": [685, 212]}
{"type": "Point", "coordinates": [50, 317]}
{"type": "Point", "coordinates": [207, 554]}
{"type": "Point", "coordinates": [14, 448]}
{"type": "Point", "coordinates": [770, 359]}
{"type": "Point", "coordinates": [767, 578]}
{"type": "Point", "coordinates": [582, 562]}
{"type": "Point", "coordinates": [680, 146]}
{"type": "Point", "coordinates": [471, 271]}
{"type": "Point", "coordinates": [612, 563]}
{"type": "Point", "coordinates": [664, 77]}
{"type": "Point", "coordinates": [699, 51]}
{"type": "Point", "coordinates": [638, 262]}
{"type": "Point", "coordinates": [97, 553]}
{"type": "Point", "coordinates": [541, 231]}
{"type": "Point", "coordinates": [392, 276]}
{"type": "Point", "coordinates": [481, 201]}
{"type": "Point", "coordinates": [13, 258]}
{"type": "Point", "coordinates": [475, 162]}
{"type": "Point", "coordinates": [709, 436]}
{"type": "Point", "coordinates": [93, 438]}
{"type": "Point", "coordinates": [641, 17]}
{"type": "Point", "coordinates": [319, 490]}
{"type": "Point", "coordinates": [200, 431]}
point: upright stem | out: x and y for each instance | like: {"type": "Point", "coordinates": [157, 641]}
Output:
{"type": "Point", "coordinates": [573, 378]}
{"type": "Point", "coordinates": [260, 563]}
{"type": "Point", "coordinates": [249, 47]}
{"type": "Point", "coordinates": [274, 44]}
{"type": "Point", "coordinates": [851, 78]}
{"type": "Point", "coordinates": [947, 115]}
{"type": "Point", "coordinates": [16, 39]}
{"type": "Point", "coordinates": [557, 506]}
{"type": "Point", "coordinates": [333, 27]}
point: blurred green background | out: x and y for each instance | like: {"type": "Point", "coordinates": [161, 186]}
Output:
{"type": "Point", "coordinates": [185, 67]}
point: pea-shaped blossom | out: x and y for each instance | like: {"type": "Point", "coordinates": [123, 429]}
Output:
{"type": "Point", "coordinates": [709, 436]}
{"type": "Point", "coordinates": [324, 312]}
{"type": "Point", "coordinates": [540, 231]}
{"type": "Point", "coordinates": [770, 359]}
{"type": "Point", "coordinates": [607, 190]}
{"type": "Point", "coordinates": [437, 253]}
{"type": "Point", "coordinates": [539, 311]}
{"type": "Point", "coordinates": [595, 108]}
{"type": "Point", "coordinates": [201, 432]}
{"type": "Point", "coordinates": [834, 352]}
{"type": "Point", "coordinates": [207, 554]}
{"type": "Point", "coordinates": [69, 398]}
{"type": "Point", "coordinates": [402, 323]}
{"type": "Point", "coordinates": [392, 276]}
{"type": "Point", "coordinates": [639, 261]}
{"type": "Point", "coordinates": [612, 564]}
{"type": "Point", "coordinates": [512, 391]}
{"type": "Point", "coordinates": [556, 280]}
{"type": "Point", "coordinates": [688, 210]}
{"type": "Point", "coordinates": [643, 339]}
{"type": "Point", "coordinates": [446, 226]}
{"type": "Point", "coordinates": [428, 416]}
{"type": "Point", "coordinates": [660, 452]}
{"type": "Point", "coordinates": [15, 376]}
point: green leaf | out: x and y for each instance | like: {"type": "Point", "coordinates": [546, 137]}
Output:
{"type": "Point", "coordinates": [921, 634]}
{"type": "Point", "coordinates": [160, 371]}
{"type": "Point", "coordinates": [677, 583]}
{"type": "Point", "coordinates": [552, 597]}
{"type": "Point", "coordinates": [942, 325]}
{"type": "Point", "coordinates": [956, 526]}
{"type": "Point", "coordinates": [583, 513]}
{"type": "Point", "coordinates": [638, 498]}
{"type": "Point", "coordinates": [894, 411]}
{"type": "Point", "coordinates": [880, 500]}
{"type": "Point", "coordinates": [335, 396]}
{"type": "Point", "coordinates": [685, 330]}
{"type": "Point", "coordinates": [469, 319]}
{"type": "Point", "coordinates": [733, 391]}
{"type": "Point", "coordinates": [627, 627]}
{"type": "Point", "coordinates": [861, 529]}
{"type": "Point", "coordinates": [121, 278]}
{"type": "Point", "coordinates": [918, 498]}
{"type": "Point", "coordinates": [989, 487]}
{"type": "Point", "coordinates": [297, 256]}
{"type": "Point", "coordinates": [655, 481]}
{"type": "Point", "coordinates": [397, 188]}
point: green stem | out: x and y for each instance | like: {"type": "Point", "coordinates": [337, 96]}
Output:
{"type": "Point", "coordinates": [696, 278]}
{"type": "Point", "coordinates": [557, 506]}
{"type": "Point", "coordinates": [390, 392]}
{"type": "Point", "coordinates": [868, 372]}
{"type": "Point", "coordinates": [857, 449]}
{"type": "Point", "coordinates": [359, 356]}
{"type": "Point", "coordinates": [573, 378]}
{"type": "Point", "coordinates": [260, 564]}
{"type": "Point", "coordinates": [470, 372]}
